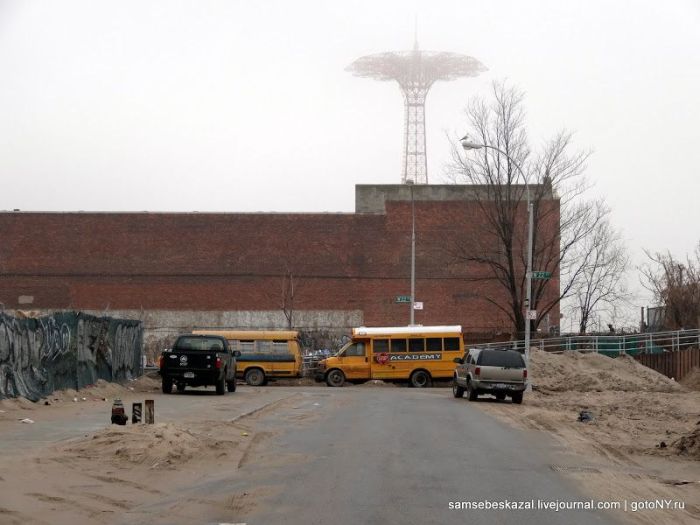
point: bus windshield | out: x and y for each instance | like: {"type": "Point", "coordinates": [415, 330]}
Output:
{"type": "Point", "coordinates": [343, 348]}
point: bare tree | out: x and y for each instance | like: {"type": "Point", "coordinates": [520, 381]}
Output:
{"type": "Point", "coordinates": [676, 286]}
{"type": "Point", "coordinates": [290, 284]}
{"type": "Point", "coordinates": [600, 283]}
{"type": "Point", "coordinates": [294, 276]}
{"type": "Point", "coordinates": [497, 251]}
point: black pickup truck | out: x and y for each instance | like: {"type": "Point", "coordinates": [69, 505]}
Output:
{"type": "Point", "coordinates": [199, 360]}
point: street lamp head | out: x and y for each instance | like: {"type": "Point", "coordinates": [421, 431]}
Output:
{"type": "Point", "coordinates": [468, 144]}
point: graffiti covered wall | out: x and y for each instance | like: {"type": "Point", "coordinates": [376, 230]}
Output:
{"type": "Point", "coordinates": [65, 350]}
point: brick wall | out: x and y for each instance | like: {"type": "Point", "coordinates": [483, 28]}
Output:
{"type": "Point", "coordinates": [229, 262]}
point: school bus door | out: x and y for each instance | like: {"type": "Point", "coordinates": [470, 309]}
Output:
{"type": "Point", "coordinates": [355, 361]}
{"type": "Point", "coordinates": [382, 367]}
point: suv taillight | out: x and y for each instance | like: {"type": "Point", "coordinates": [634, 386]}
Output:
{"type": "Point", "coordinates": [477, 371]}
{"type": "Point", "coordinates": [218, 362]}
{"type": "Point", "coordinates": [160, 362]}
{"type": "Point", "coordinates": [524, 373]}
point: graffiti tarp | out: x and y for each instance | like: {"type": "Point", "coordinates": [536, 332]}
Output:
{"type": "Point", "coordinates": [65, 350]}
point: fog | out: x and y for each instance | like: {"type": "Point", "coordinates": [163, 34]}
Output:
{"type": "Point", "coordinates": [246, 106]}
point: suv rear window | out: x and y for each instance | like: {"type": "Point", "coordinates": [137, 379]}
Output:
{"type": "Point", "coordinates": [508, 358]}
{"type": "Point", "coordinates": [211, 344]}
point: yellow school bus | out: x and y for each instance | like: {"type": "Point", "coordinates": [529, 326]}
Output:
{"type": "Point", "coordinates": [264, 354]}
{"type": "Point", "coordinates": [417, 354]}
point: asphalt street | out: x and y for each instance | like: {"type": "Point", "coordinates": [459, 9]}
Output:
{"type": "Point", "coordinates": [356, 455]}
{"type": "Point", "coordinates": [394, 456]}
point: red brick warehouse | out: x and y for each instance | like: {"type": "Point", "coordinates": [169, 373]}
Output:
{"type": "Point", "coordinates": [230, 264]}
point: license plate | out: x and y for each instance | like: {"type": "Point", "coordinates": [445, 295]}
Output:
{"type": "Point", "coordinates": [188, 375]}
{"type": "Point", "coordinates": [501, 385]}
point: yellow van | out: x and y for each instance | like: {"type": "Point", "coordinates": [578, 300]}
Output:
{"type": "Point", "coordinates": [264, 354]}
{"type": "Point", "coordinates": [417, 354]}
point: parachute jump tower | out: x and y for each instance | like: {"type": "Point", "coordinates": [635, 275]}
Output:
{"type": "Point", "coordinates": [415, 71]}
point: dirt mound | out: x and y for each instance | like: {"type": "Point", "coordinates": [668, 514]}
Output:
{"type": "Point", "coordinates": [692, 379]}
{"type": "Point", "coordinates": [105, 390]}
{"type": "Point", "coordinates": [159, 446]}
{"type": "Point", "coordinates": [100, 390]}
{"type": "Point", "coordinates": [593, 372]}
{"type": "Point", "coordinates": [149, 382]}
{"type": "Point", "coordinates": [689, 445]}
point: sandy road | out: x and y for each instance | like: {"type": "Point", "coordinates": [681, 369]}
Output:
{"type": "Point", "coordinates": [280, 455]}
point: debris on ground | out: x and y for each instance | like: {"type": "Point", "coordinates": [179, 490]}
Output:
{"type": "Point", "coordinates": [689, 445]}
{"type": "Point", "coordinates": [586, 416]}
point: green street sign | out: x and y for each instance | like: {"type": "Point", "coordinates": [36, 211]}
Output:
{"type": "Point", "coordinates": [403, 298]}
{"type": "Point", "coordinates": [541, 275]}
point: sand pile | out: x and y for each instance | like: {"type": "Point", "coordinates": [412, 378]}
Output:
{"type": "Point", "coordinates": [692, 379]}
{"type": "Point", "coordinates": [149, 382]}
{"type": "Point", "coordinates": [592, 372]}
{"type": "Point", "coordinates": [9, 408]}
{"type": "Point", "coordinates": [101, 390]}
{"type": "Point", "coordinates": [377, 383]}
{"type": "Point", "coordinates": [689, 445]}
{"type": "Point", "coordinates": [159, 446]}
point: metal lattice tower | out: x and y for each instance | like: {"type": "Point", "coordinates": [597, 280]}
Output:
{"type": "Point", "coordinates": [415, 71]}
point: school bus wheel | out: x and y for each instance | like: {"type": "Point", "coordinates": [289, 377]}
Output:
{"type": "Point", "coordinates": [420, 379]}
{"type": "Point", "coordinates": [254, 377]}
{"type": "Point", "coordinates": [335, 378]}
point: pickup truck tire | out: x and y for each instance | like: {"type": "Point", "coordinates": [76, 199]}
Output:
{"type": "Point", "coordinates": [457, 390]}
{"type": "Point", "coordinates": [255, 377]}
{"type": "Point", "coordinates": [221, 385]}
{"type": "Point", "coordinates": [335, 378]}
{"type": "Point", "coordinates": [420, 379]}
{"type": "Point", "coordinates": [517, 398]}
{"type": "Point", "coordinates": [167, 386]}
{"type": "Point", "coordinates": [500, 396]}
{"type": "Point", "coordinates": [231, 385]}
{"type": "Point", "coordinates": [472, 394]}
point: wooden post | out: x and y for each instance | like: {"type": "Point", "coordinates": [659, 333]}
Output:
{"type": "Point", "coordinates": [150, 412]}
{"type": "Point", "coordinates": [135, 413]}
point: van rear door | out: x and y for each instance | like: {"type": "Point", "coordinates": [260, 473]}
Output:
{"type": "Point", "coordinates": [502, 366]}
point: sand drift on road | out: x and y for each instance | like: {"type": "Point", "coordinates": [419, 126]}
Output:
{"type": "Point", "coordinates": [644, 438]}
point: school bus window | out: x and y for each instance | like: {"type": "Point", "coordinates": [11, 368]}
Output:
{"type": "Point", "coordinates": [263, 347]}
{"type": "Point", "coordinates": [416, 345]}
{"type": "Point", "coordinates": [398, 345]}
{"type": "Point", "coordinates": [380, 345]}
{"type": "Point", "coordinates": [246, 346]}
{"type": "Point", "coordinates": [279, 347]}
{"type": "Point", "coordinates": [355, 350]}
{"type": "Point", "coordinates": [434, 344]}
{"type": "Point", "coordinates": [451, 344]}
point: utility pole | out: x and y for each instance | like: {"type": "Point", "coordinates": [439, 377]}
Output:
{"type": "Point", "coordinates": [413, 255]}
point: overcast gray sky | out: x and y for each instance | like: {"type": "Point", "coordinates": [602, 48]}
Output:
{"type": "Point", "coordinates": [245, 106]}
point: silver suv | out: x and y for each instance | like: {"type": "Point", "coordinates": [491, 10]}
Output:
{"type": "Point", "coordinates": [500, 372]}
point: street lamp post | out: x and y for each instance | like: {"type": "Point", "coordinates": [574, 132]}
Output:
{"type": "Point", "coordinates": [469, 145]}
